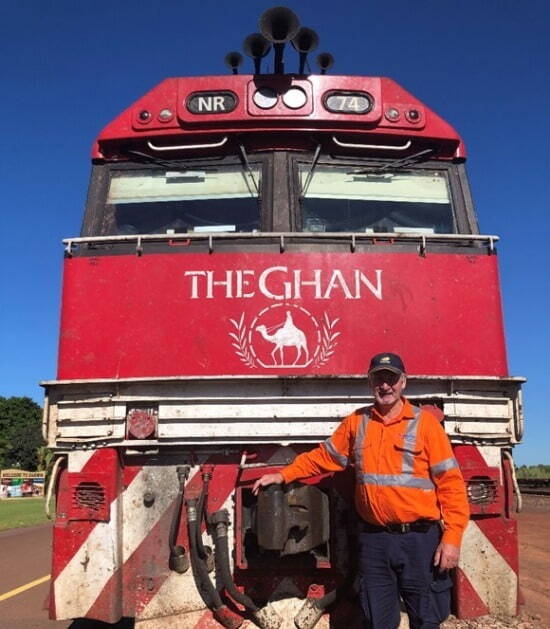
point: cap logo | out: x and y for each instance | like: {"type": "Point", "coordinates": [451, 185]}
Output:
{"type": "Point", "coordinates": [385, 359]}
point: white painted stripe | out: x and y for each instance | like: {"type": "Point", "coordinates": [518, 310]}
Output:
{"type": "Point", "coordinates": [110, 544]}
{"type": "Point", "coordinates": [489, 573]}
{"type": "Point", "coordinates": [176, 595]}
{"type": "Point", "coordinates": [179, 593]}
{"type": "Point", "coordinates": [491, 455]}
{"type": "Point", "coordinates": [81, 581]}
{"type": "Point", "coordinates": [78, 459]}
{"type": "Point", "coordinates": [162, 483]}
{"type": "Point", "coordinates": [181, 620]}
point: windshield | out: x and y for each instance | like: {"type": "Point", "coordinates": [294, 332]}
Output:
{"type": "Point", "coordinates": [342, 198]}
{"type": "Point", "coordinates": [223, 198]}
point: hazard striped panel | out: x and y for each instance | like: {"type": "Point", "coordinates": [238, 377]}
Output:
{"type": "Point", "coordinates": [117, 564]}
{"type": "Point", "coordinates": [488, 573]}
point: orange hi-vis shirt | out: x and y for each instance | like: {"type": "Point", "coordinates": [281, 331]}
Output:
{"type": "Point", "coordinates": [404, 469]}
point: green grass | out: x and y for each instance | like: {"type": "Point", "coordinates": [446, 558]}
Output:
{"type": "Point", "coordinates": [18, 512]}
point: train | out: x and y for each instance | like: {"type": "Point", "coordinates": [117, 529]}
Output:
{"type": "Point", "coordinates": [249, 241]}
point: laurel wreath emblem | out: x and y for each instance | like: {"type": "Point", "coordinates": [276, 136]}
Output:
{"type": "Point", "coordinates": [243, 350]}
{"type": "Point", "coordinates": [328, 340]}
{"type": "Point", "coordinates": [240, 342]}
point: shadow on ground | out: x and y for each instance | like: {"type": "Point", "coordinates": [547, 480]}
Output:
{"type": "Point", "coordinates": [83, 623]}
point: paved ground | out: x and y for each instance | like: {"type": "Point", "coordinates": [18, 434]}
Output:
{"type": "Point", "coordinates": [25, 557]}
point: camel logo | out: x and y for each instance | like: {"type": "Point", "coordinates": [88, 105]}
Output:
{"type": "Point", "coordinates": [284, 336]}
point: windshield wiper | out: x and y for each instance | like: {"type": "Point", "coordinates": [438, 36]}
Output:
{"type": "Point", "coordinates": [249, 169]}
{"type": "Point", "coordinates": [395, 164]}
{"type": "Point", "coordinates": [310, 172]}
{"type": "Point", "coordinates": [172, 164]}
{"type": "Point", "coordinates": [151, 159]}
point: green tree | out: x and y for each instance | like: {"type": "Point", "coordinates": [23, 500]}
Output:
{"type": "Point", "coordinates": [533, 471]}
{"type": "Point", "coordinates": [44, 460]}
{"type": "Point", "coordinates": [20, 432]}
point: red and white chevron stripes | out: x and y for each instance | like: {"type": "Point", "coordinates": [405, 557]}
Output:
{"type": "Point", "coordinates": [111, 550]}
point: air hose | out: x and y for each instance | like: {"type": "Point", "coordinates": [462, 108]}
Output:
{"type": "Point", "coordinates": [265, 617]}
{"type": "Point", "coordinates": [206, 589]}
{"type": "Point", "coordinates": [179, 561]}
{"type": "Point", "coordinates": [203, 552]}
{"type": "Point", "coordinates": [220, 520]}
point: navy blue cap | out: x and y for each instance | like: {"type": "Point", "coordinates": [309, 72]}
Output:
{"type": "Point", "coordinates": [386, 361]}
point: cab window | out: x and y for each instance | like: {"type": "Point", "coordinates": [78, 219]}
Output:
{"type": "Point", "coordinates": [341, 198]}
{"type": "Point", "coordinates": [221, 198]}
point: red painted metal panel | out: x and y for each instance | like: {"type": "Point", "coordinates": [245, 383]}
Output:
{"type": "Point", "coordinates": [475, 470]}
{"type": "Point", "coordinates": [141, 576]}
{"type": "Point", "coordinates": [144, 572]}
{"type": "Point", "coordinates": [466, 601]}
{"type": "Point", "coordinates": [172, 95]}
{"type": "Point", "coordinates": [69, 536]}
{"type": "Point", "coordinates": [503, 534]}
{"type": "Point", "coordinates": [279, 314]}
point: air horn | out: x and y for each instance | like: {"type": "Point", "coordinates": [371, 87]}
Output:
{"type": "Point", "coordinates": [304, 42]}
{"type": "Point", "coordinates": [257, 47]}
{"type": "Point", "coordinates": [279, 25]}
{"type": "Point", "coordinates": [233, 60]}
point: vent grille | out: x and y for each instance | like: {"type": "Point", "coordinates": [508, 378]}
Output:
{"type": "Point", "coordinates": [89, 497]}
{"type": "Point", "coordinates": [482, 490]}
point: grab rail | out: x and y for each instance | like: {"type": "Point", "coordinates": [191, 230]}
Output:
{"type": "Point", "coordinates": [283, 238]}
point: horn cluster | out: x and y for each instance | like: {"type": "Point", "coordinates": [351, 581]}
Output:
{"type": "Point", "coordinates": [277, 27]}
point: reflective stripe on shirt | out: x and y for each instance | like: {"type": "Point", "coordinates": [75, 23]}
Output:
{"type": "Point", "coordinates": [359, 441]}
{"type": "Point", "coordinates": [405, 479]}
{"type": "Point", "coordinates": [395, 480]}
{"type": "Point", "coordinates": [409, 442]}
{"type": "Point", "coordinates": [334, 454]}
{"type": "Point", "coordinates": [443, 466]}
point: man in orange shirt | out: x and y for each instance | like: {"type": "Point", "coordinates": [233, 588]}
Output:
{"type": "Point", "coordinates": [409, 494]}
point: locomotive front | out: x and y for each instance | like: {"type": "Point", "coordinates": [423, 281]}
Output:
{"type": "Point", "coordinates": [249, 242]}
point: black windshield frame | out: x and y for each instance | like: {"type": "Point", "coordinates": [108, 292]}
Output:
{"type": "Point", "coordinates": [280, 209]}
{"type": "Point", "coordinates": [98, 218]}
{"type": "Point", "coordinates": [463, 216]}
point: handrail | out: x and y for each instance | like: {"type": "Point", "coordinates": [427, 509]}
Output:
{"type": "Point", "coordinates": [381, 147]}
{"type": "Point", "coordinates": [519, 498]}
{"type": "Point", "coordinates": [51, 485]}
{"type": "Point", "coordinates": [183, 147]}
{"type": "Point", "coordinates": [281, 237]}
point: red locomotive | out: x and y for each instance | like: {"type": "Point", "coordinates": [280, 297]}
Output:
{"type": "Point", "coordinates": [249, 242]}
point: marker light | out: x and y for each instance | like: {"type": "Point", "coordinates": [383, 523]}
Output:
{"type": "Point", "coordinates": [265, 97]}
{"type": "Point", "coordinates": [294, 98]}
{"type": "Point", "coordinates": [144, 115]}
{"type": "Point", "coordinates": [165, 115]}
{"type": "Point", "coordinates": [392, 114]}
{"type": "Point", "coordinates": [413, 115]}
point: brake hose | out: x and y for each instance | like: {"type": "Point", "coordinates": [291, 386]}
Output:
{"type": "Point", "coordinates": [201, 508]}
{"type": "Point", "coordinates": [264, 617]}
{"type": "Point", "coordinates": [179, 561]}
{"type": "Point", "coordinates": [207, 591]}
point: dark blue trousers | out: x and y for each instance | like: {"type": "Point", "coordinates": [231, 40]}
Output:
{"type": "Point", "coordinates": [401, 564]}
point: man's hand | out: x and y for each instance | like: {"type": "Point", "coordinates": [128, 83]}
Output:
{"type": "Point", "coordinates": [446, 556]}
{"type": "Point", "coordinates": [267, 479]}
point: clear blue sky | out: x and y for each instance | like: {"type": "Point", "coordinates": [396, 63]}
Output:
{"type": "Point", "coordinates": [70, 67]}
